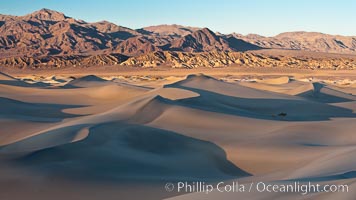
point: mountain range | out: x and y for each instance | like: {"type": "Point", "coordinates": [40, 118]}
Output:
{"type": "Point", "coordinates": [46, 33]}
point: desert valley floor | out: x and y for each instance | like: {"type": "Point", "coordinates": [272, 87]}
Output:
{"type": "Point", "coordinates": [110, 136]}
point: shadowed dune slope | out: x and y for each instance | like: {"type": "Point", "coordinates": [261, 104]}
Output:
{"type": "Point", "coordinates": [6, 79]}
{"type": "Point", "coordinates": [32, 111]}
{"type": "Point", "coordinates": [322, 93]}
{"type": "Point", "coordinates": [218, 96]}
{"type": "Point", "coordinates": [117, 151]}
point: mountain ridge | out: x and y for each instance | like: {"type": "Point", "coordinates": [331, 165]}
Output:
{"type": "Point", "coordinates": [302, 40]}
{"type": "Point", "coordinates": [49, 32]}
{"type": "Point", "coordinates": [48, 37]}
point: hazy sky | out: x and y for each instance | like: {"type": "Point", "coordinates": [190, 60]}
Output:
{"type": "Point", "coordinates": [265, 17]}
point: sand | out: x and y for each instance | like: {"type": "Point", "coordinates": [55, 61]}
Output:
{"type": "Point", "coordinates": [124, 136]}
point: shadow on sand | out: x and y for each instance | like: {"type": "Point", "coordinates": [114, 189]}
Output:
{"type": "Point", "coordinates": [260, 108]}
{"type": "Point", "coordinates": [117, 151]}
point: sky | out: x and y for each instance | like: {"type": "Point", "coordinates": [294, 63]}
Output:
{"type": "Point", "coordinates": [264, 17]}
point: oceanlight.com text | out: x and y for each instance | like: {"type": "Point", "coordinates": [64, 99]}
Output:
{"type": "Point", "coordinates": [302, 188]}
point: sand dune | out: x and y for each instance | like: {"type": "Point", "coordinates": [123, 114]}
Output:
{"type": "Point", "coordinates": [275, 81]}
{"type": "Point", "coordinates": [87, 81]}
{"type": "Point", "coordinates": [9, 80]}
{"type": "Point", "coordinates": [107, 134]}
{"type": "Point", "coordinates": [292, 87]}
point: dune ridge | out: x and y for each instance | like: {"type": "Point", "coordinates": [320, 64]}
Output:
{"type": "Point", "coordinates": [115, 132]}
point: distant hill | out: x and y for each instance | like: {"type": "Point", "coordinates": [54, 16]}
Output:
{"type": "Point", "coordinates": [308, 41]}
{"type": "Point", "coordinates": [170, 30]}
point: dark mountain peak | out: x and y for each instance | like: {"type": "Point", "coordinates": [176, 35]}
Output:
{"type": "Point", "coordinates": [207, 31]}
{"type": "Point", "coordinates": [206, 40]}
{"type": "Point", "coordinates": [198, 41]}
{"type": "Point", "coordinates": [240, 45]}
{"type": "Point", "coordinates": [205, 35]}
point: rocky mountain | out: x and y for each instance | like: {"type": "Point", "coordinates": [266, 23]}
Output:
{"type": "Point", "coordinates": [47, 38]}
{"type": "Point", "coordinates": [308, 41]}
{"type": "Point", "coordinates": [49, 62]}
{"type": "Point", "coordinates": [205, 40]}
{"type": "Point", "coordinates": [47, 32]}
{"type": "Point", "coordinates": [136, 46]}
{"type": "Point", "coordinates": [214, 59]}
{"type": "Point", "coordinates": [114, 31]}
{"type": "Point", "coordinates": [45, 15]}
{"type": "Point", "coordinates": [187, 60]}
